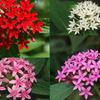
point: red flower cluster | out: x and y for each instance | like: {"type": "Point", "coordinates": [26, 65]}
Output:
{"type": "Point", "coordinates": [17, 24]}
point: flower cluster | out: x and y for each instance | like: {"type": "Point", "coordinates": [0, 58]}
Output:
{"type": "Point", "coordinates": [82, 70]}
{"type": "Point", "coordinates": [85, 16]}
{"type": "Point", "coordinates": [16, 76]}
{"type": "Point", "coordinates": [17, 23]}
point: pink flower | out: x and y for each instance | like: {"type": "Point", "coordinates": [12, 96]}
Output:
{"type": "Point", "coordinates": [90, 80]}
{"type": "Point", "coordinates": [86, 92]}
{"type": "Point", "coordinates": [16, 69]}
{"type": "Point", "coordinates": [18, 82]}
{"type": "Point", "coordinates": [2, 69]}
{"type": "Point", "coordinates": [73, 68]}
{"type": "Point", "coordinates": [25, 94]}
{"type": "Point", "coordinates": [82, 70]}
{"type": "Point", "coordinates": [19, 75]}
{"type": "Point", "coordinates": [96, 74]}
{"type": "Point", "coordinates": [80, 77]}
{"type": "Point", "coordinates": [89, 65]}
{"type": "Point", "coordinates": [77, 85]}
{"type": "Point", "coordinates": [14, 92]}
{"type": "Point", "coordinates": [60, 76]}
{"type": "Point", "coordinates": [30, 76]}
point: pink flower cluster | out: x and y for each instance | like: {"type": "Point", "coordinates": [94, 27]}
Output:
{"type": "Point", "coordinates": [82, 70]}
{"type": "Point", "coordinates": [16, 76]}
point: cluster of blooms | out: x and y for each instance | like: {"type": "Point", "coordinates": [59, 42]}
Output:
{"type": "Point", "coordinates": [82, 70]}
{"type": "Point", "coordinates": [17, 23]}
{"type": "Point", "coordinates": [16, 76]}
{"type": "Point", "coordinates": [85, 16]}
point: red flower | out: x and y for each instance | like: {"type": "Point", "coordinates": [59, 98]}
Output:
{"type": "Point", "coordinates": [16, 22]}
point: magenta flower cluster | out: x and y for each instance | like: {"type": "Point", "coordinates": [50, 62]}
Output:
{"type": "Point", "coordinates": [82, 70]}
{"type": "Point", "coordinates": [16, 76]}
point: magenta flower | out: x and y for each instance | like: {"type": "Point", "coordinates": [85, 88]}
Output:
{"type": "Point", "coordinates": [86, 92]}
{"type": "Point", "coordinates": [17, 76]}
{"type": "Point", "coordinates": [78, 85]}
{"type": "Point", "coordinates": [82, 70]}
{"type": "Point", "coordinates": [80, 77]}
{"type": "Point", "coordinates": [60, 76]}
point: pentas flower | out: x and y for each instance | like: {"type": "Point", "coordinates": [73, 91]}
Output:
{"type": "Point", "coordinates": [82, 70]}
{"type": "Point", "coordinates": [18, 23]}
{"type": "Point", "coordinates": [84, 16]}
{"type": "Point", "coordinates": [17, 78]}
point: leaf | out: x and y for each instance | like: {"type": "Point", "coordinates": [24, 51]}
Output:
{"type": "Point", "coordinates": [33, 45]}
{"type": "Point", "coordinates": [41, 88]}
{"type": "Point", "coordinates": [60, 91]}
{"type": "Point", "coordinates": [59, 12]}
{"type": "Point", "coordinates": [41, 55]}
{"type": "Point", "coordinates": [45, 29]}
{"type": "Point", "coordinates": [38, 63]}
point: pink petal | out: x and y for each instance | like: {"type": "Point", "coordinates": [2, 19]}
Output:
{"type": "Point", "coordinates": [90, 93]}
{"type": "Point", "coordinates": [86, 96]}
{"type": "Point", "coordinates": [23, 98]}
{"type": "Point", "coordinates": [9, 89]}
{"type": "Point", "coordinates": [29, 90]}
{"type": "Point", "coordinates": [12, 82]}
{"type": "Point", "coordinates": [28, 97]}
{"type": "Point", "coordinates": [2, 88]}
{"type": "Point", "coordinates": [14, 73]}
{"type": "Point", "coordinates": [8, 96]}
{"type": "Point", "coordinates": [89, 88]}
{"type": "Point", "coordinates": [82, 93]}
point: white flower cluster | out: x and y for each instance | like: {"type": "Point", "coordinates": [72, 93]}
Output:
{"type": "Point", "coordinates": [85, 16]}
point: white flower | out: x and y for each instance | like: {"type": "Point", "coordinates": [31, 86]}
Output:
{"type": "Point", "coordinates": [85, 16]}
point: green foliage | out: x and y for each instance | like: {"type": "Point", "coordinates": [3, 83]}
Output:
{"type": "Point", "coordinates": [59, 11]}
{"type": "Point", "coordinates": [60, 91]}
{"type": "Point", "coordinates": [41, 88]}
{"type": "Point", "coordinates": [42, 68]}
{"type": "Point", "coordinates": [12, 52]}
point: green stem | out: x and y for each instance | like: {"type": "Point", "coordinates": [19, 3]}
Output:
{"type": "Point", "coordinates": [97, 90]}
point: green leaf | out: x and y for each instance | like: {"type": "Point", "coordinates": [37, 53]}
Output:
{"type": "Point", "coordinates": [41, 88]}
{"type": "Point", "coordinates": [59, 12]}
{"type": "Point", "coordinates": [33, 45]}
{"type": "Point", "coordinates": [60, 91]}
{"type": "Point", "coordinates": [41, 55]}
{"type": "Point", "coordinates": [38, 63]}
{"type": "Point", "coordinates": [45, 29]}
